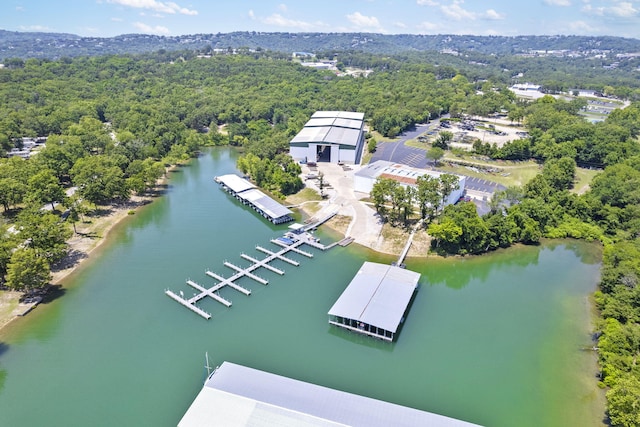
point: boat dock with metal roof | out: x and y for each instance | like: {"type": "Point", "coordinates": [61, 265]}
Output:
{"type": "Point", "coordinates": [238, 396]}
{"type": "Point", "coordinates": [250, 195]}
{"type": "Point", "coordinates": [375, 301]}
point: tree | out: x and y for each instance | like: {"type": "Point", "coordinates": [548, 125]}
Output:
{"type": "Point", "coordinates": [435, 154]}
{"type": "Point", "coordinates": [560, 173]}
{"type": "Point", "coordinates": [446, 232]}
{"type": "Point", "coordinates": [321, 183]}
{"type": "Point", "coordinates": [43, 232]}
{"type": "Point", "coordinates": [428, 196]}
{"type": "Point", "coordinates": [382, 191]}
{"type": "Point", "coordinates": [99, 180]}
{"type": "Point", "coordinates": [448, 184]}
{"type": "Point", "coordinates": [624, 402]}
{"type": "Point", "coordinates": [372, 145]}
{"type": "Point", "coordinates": [27, 270]}
{"type": "Point", "coordinates": [45, 188]}
{"type": "Point", "coordinates": [443, 139]}
{"type": "Point", "coordinates": [74, 216]}
{"type": "Point", "coordinates": [7, 245]}
{"type": "Point", "coordinates": [12, 192]}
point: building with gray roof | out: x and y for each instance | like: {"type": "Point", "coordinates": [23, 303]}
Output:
{"type": "Point", "coordinates": [365, 178]}
{"type": "Point", "coordinates": [237, 396]}
{"type": "Point", "coordinates": [330, 136]}
{"type": "Point", "coordinates": [249, 194]}
{"type": "Point", "coordinates": [375, 301]}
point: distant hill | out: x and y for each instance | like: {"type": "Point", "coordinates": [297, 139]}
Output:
{"type": "Point", "coordinates": [56, 45]}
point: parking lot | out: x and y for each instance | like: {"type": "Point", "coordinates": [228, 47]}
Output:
{"type": "Point", "coordinates": [480, 190]}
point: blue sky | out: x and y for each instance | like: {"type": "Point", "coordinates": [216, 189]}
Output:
{"type": "Point", "coordinates": [106, 18]}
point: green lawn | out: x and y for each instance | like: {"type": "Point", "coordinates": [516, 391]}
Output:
{"type": "Point", "coordinates": [507, 173]}
{"type": "Point", "coordinates": [583, 179]}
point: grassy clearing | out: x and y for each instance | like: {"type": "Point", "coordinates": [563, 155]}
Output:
{"type": "Point", "coordinates": [583, 179]}
{"type": "Point", "coordinates": [8, 303]}
{"type": "Point", "coordinates": [508, 174]}
{"type": "Point", "coordinates": [305, 195]}
{"type": "Point", "coordinates": [339, 223]}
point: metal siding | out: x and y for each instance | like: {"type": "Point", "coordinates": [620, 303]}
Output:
{"type": "Point", "coordinates": [265, 203]}
{"type": "Point", "coordinates": [377, 295]}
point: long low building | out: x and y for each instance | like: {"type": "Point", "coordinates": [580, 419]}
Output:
{"type": "Point", "coordinates": [237, 396]}
{"type": "Point", "coordinates": [375, 301]}
{"type": "Point", "coordinates": [330, 136]}
{"type": "Point", "coordinates": [365, 178]}
{"type": "Point", "coordinates": [249, 194]}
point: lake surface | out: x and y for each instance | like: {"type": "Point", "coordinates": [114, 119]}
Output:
{"type": "Point", "coordinates": [495, 340]}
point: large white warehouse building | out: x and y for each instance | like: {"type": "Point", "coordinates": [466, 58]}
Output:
{"type": "Point", "coordinates": [330, 136]}
{"type": "Point", "coordinates": [406, 175]}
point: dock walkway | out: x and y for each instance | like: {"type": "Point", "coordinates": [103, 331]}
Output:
{"type": "Point", "coordinates": [286, 246]}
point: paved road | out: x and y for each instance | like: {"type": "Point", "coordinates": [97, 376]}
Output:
{"type": "Point", "coordinates": [398, 152]}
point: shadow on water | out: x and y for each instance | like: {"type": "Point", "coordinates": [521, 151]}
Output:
{"type": "Point", "coordinates": [3, 373]}
{"type": "Point", "coordinates": [406, 313]}
{"type": "Point", "coordinates": [589, 253]}
{"type": "Point", "coordinates": [439, 271]}
{"type": "Point", "coordinates": [363, 340]}
{"type": "Point", "coordinates": [53, 293]}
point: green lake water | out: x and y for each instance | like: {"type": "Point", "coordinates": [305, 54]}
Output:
{"type": "Point", "coordinates": [496, 340]}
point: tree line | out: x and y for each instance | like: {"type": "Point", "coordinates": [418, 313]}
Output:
{"type": "Point", "coordinates": [114, 123]}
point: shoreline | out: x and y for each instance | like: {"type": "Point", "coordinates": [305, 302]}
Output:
{"type": "Point", "coordinates": [90, 236]}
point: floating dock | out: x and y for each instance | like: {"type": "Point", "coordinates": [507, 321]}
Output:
{"type": "Point", "coordinates": [290, 242]}
{"type": "Point", "coordinates": [287, 244]}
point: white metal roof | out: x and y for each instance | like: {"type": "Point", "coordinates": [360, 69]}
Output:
{"type": "Point", "coordinates": [379, 167]}
{"type": "Point", "coordinates": [343, 136]}
{"type": "Point", "coordinates": [378, 295]}
{"type": "Point", "coordinates": [312, 134]}
{"type": "Point", "coordinates": [320, 121]}
{"type": "Point", "coordinates": [341, 114]}
{"type": "Point", "coordinates": [239, 396]}
{"type": "Point", "coordinates": [332, 127]}
{"type": "Point", "coordinates": [235, 183]}
{"type": "Point", "coordinates": [265, 203]}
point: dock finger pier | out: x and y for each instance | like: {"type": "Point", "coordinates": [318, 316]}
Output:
{"type": "Point", "coordinates": [291, 242]}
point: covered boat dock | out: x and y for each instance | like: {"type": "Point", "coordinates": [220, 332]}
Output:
{"type": "Point", "coordinates": [249, 194]}
{"type": "Point", "coordinates": [237, 396]}
{"type": "Point", "coordinates": [375, 301]}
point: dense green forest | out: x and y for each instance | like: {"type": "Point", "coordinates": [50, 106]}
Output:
{"type": "Point", "coordinates": [57, 45]}
{"type": "Point", "coordinates": [115, 122]}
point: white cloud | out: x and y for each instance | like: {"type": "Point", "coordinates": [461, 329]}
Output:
{"type": "Point", "coordinates": [457, 12]}
{"type": "Point", "coordinates": [157, 6]}
{"type": "Point", "coordinates": [148, 29]}
{"type": "Point", "coordinates": [427, 3]}
{"type": "Point", "coordinates": [280, 21]}
{"type": "Point", "coordinates": [429, 27]}
{"type": "Point", "coordinates": [116, 19]}
{"type": "Point", "coordinates": [400, 24]}
{"type": "Point", "coordinates": [623, 10]}
{"type": "Point", "coordinates": [558, 2]}
{"type": "Point", "coordinates": [362, 21]}
{"type": "Point", "coordinates": [620, 10]}
{"type": "Point", "coordinates": [36, 28]}
{"type": "Point", "coordinates": [581, 27]}
{"type": "Point", "coordinates": [282, 7]}
{"type": "Point", "coordinates": [20, 8]}
{"type": "Point", "coordinates": [493, 15]}
{"type": "Point", "coordinates": [590, 10]}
